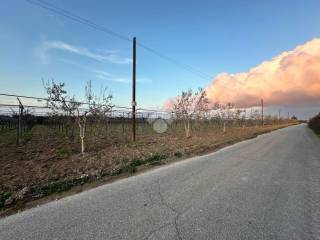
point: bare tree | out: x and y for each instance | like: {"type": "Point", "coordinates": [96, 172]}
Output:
{"type": "Point", "coordinates": [255, 116]}
{"type": "Point", "coordinates": [229, 108]}
{"type": "Point", "coordinates": [239, 116]}
{"type": "Point", "coordinates": [243, 117]}
{"type": "Point", "coordinates": [190, 106]}
{"type": "Point", "coordinates": [224, 113]}
{"type": "Point", "coordinates": [61, 103]}
{"type": "Point", "coordinates": [100, 106]}
{"type": "Point", "coordinates": [183, 109]}
{"type": "Point", "coordinates": [217, 113]}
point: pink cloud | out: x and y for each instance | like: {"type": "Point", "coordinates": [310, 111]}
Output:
{"type": "Point", "coordinates": [289, 78]}
{"type": "Point", "coordinates": [168, 105]}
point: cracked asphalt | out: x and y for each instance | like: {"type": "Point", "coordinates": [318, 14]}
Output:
{"type": "Point", "coordinates": [263, 188]}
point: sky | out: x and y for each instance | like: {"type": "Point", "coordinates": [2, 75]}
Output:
{"type": "Point", "coordinates": [219, 38]}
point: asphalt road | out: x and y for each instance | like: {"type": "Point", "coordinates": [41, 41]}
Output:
{"type": "Point", "coordinates": [263, 188]}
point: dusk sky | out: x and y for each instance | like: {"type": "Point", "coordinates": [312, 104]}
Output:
{"type": "Point", "coordinates": [230, 41]}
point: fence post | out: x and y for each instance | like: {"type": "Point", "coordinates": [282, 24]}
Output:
{"type": "Point", "coordinates": [19, 129]}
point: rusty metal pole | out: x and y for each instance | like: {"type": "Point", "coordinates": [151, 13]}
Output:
{"type": "Point", "coordinates": [134, 91]}
{"type": "Point", "coordinates": [19, 132]}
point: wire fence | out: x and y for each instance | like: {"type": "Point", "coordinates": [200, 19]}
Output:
{"type": "Point", "coordinates": [25, 117]}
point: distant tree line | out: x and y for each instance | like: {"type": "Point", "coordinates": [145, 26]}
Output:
{"type": "Point", "coordinates": [193, 107]}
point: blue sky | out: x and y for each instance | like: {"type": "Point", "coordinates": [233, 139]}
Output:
{"type": "Point", "coordinates": [212, 36]}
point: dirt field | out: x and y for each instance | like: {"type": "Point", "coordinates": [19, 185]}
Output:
{"type": "Point", "coordinates": [48, 163]}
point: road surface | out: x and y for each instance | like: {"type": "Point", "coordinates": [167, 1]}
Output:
{"type": "Point", "coordinates": [263, 188]}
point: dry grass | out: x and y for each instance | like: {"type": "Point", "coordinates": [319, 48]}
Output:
{"type": "Point", "coordinates": [48, 157]}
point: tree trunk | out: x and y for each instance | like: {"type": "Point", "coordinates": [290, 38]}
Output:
{"type": "Point", "coordinates": [82, 127]}
{"type": "Point", "coordinates": [187, 127]}
{"type": "Point", "coordinates": [82, 145]}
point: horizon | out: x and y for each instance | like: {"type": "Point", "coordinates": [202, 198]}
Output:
{"type": "Point", "coordinates": [227, 38]}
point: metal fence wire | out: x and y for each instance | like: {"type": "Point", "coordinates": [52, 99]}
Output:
{"type": "Point", "coordinates": [23, 118]}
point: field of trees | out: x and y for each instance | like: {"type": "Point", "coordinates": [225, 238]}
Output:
{"type": "Point", "coordinates": [71, 143]}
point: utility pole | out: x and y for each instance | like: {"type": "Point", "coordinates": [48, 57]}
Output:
{"type": "Point", "coordinates": [262, 111]}
{"type": "Point", "coordinates": [279, 116]}
{"type": "Point", "coordinates": [134, 91]}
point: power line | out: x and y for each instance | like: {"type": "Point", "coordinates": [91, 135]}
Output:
{"type": "Point", "coordinates": [78, 102]}
{"type": "Point", "coordinates": [84, 21]}
{"type": "Point", "coordinates": [71, 16]}
{"type": "Point", "coordinates": [177, 63]}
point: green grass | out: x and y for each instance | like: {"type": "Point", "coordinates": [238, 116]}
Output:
{"type": "Point", "coordinates": [133, 165]}
{"type": "Point", "coordinates": [3, 197]}
{"type": "Point", "coordinates": [8, 136]}
{"type": "Point", "coordinates": [178, 154]}
{"type": "Point", "coordinates": [57, 187]}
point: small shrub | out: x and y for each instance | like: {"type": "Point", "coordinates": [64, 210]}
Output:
{"type": "Point", "coordinates": [6, 195]}
{"type": "Point", "coordinates": [129, 168]}
{"type": "Point", "coordinates": [27, 137]}
{"type": "Point", "coordinates": [156, 158]}
{"type": "Point", "coordinates": [57, 187]}
{"type": "Point", "coordinates": [314, 123]}
{"type": "Point", "coordinates": [64, 152]}
{"type": "Point", "coordinates": [178, 154]}
{"type": "Point", "coordinates": [137, 162]}
{"type": "Point", "coordinates": [99, 155]}
{"type": "Point", "coordinates": [3, 197]}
